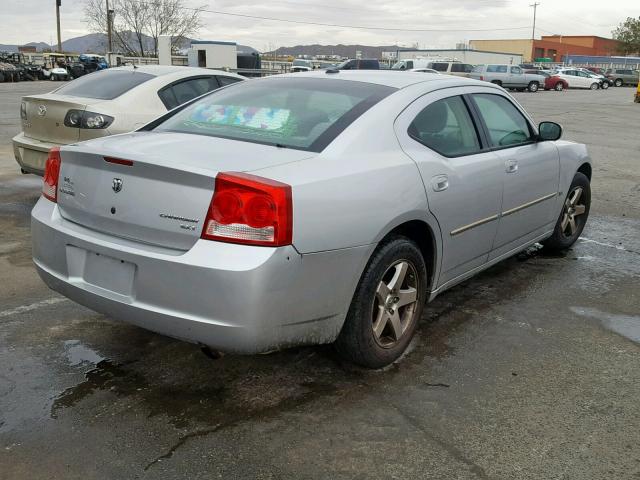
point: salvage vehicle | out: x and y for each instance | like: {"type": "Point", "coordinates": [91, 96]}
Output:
{"type": "Point", "coordinates": [577, 78]}
{"type": "Point", "coordinates": [306, 208]}
{"type": "Point", "coordinates": [508, 76]}
{"type": "Point", "coordinates": [99, 104]}
{"type": "Point", "coordinates": [55, 66]}
{"type": "Point", "coordinates": [622, 76]}
{"type": "Point", "coordinates": [551, 82]}
{"type": "Point", "coordinates": [26, 70]}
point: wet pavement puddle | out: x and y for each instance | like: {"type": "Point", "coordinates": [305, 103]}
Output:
{"type": "Point", "coordinates": [626, 325]}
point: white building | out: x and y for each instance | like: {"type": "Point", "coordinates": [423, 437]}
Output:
{"type": "Point", "coordinates": [212, 54]}
{"type": "Point", "coordinates": [474, 57]}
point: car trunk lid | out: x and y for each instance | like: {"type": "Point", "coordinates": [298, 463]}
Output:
{"type": "Point", "coordinates": [153, 188]}
{"type": "Point", "coordinates": [45, 117]}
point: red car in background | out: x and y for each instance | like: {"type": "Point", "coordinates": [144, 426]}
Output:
{"type": "Point", "coordinates": [598, 70]}
{"type": "Point", "coordinates": [551, 82]}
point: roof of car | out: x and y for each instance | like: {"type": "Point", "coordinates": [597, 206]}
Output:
{"type": "Point", "coordinates": [159, 70]}
{"type": "Point", "coordinates": [390, 78]}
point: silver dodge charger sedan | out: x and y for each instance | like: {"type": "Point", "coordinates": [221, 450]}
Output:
{"type": "Point", "coordinates": [306, 208]}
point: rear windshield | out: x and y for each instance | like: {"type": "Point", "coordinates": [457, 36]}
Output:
{"type": "Point", "coordinates": [300, 113]}
{"type": "Point", "coordinates": [105, 85]}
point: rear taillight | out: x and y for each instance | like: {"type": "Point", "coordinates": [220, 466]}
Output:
{"type": "Point", "coordinates": [251, 210]}
{"type": "Point", "coordinates": [482, 77]}
{"type": "Point", "coordinates": [51, 174]}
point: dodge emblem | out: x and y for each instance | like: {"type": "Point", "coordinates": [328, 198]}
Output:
{"type": "Point", "coordinates": [116, 185]}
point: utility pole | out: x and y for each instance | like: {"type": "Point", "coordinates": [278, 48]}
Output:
{"type": "Point", "coordinates": [535, 8]}
{"type": "Point", "coordinates": [109, 26]}
{"type": "Point", "coordinates": [58, 3]}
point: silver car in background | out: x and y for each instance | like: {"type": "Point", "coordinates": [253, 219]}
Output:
{"type": "Point", "coordinates": [508, 76]}
{"type": "Point", "coordinates": [306, 208]}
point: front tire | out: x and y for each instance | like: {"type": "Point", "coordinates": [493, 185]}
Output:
{"type": "Point", "coordinates": [386, 306]}
{"type": "Point", "coordinates": [604, 85]}
{"type": "Point", "coordinates": [594, 86]}
{"type": "Point", "coordinates": [559, 87]}
{"type": "Point", "coordinates": [618, 82]}
{"type": "Point", "coordinates": [533, 87]}
{"type": "Point", "coordinates": [574, 215]}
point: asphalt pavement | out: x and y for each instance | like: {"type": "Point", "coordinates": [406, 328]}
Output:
{"type": "Point", "coordinates": [531, 370]}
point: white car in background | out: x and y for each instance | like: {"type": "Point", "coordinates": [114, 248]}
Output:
{"type": "Point", "coordinates": [577, 78]}
{"type": "Point", "coordinates": [117, 100]}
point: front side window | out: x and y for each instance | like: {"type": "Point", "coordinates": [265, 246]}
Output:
{"type": "Point", "coordinates": [409, 64]}
{"type": "Point", "coordinates": [300, 113]}
{"type": "Point", "coordinates": [516, 70]}
{"type": "Point", "coordinates": [446, 127]}
{"type": "Point", "coordinates": [506, 125]}
{"type": "Point", "coordinates": [439, 66]}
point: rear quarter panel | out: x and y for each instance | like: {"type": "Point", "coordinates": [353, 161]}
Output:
{"type": "Point", "coordinates": [358, 189]}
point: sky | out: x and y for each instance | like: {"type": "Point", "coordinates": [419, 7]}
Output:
{"type": "Point", "coordinates": [450, 22]}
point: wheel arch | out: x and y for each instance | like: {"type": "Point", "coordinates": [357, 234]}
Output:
{"type": "Point", "coordinates": [428, 240]}
{"type": "Point", "coordinates": [586, 169]}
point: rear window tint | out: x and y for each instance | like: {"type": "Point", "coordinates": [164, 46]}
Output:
{"type": "Point", "coordinates": [305, 114]}
{"type": "Point", "coordinates": [105, 85]}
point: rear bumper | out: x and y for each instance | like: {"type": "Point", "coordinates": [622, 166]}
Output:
{"type": "Point", "coordinates": [233, 298]}
{"type": "Point", "coordinates": [31, 154]}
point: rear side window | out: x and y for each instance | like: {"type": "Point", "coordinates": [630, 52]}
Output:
{"type": "Point", "coordinates": [409, 64]}
{"type": "Point", "coordinates": [505, 124]}
{"type": "Point", "coordinates": [440, 67]}
{"type": "Point", "coordinates": [185, 90]}
{"type": "Point", "coordinates": [300, 113]}
{"type": "Point", "coordinates": [446, 127]}
{"type": "Point", "coordinates": [224, 81]}
{"type": "Point", "coordinates": [105, 85]}
{"type": "Point", "coordinates": [461, 67]}
{"type": "Point", "coordinates": [497, 69]}
{"type": "Point", "coordinates": [516, 70]}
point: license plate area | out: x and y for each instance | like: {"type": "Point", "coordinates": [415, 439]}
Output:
{"type": "Point", "coordinates": [102, 271]}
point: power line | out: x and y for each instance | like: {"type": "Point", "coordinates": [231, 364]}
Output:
{"type": "Point", "coordinates": [338, 25]}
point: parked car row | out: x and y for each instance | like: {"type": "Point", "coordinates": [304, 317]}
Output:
{"type": "Point", "coordinates": [305, 208]}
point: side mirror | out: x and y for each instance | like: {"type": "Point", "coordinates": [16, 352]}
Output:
{"type": "Point", "coordinates": [549, 131]}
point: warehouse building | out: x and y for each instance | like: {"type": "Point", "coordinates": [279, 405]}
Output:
{"type": "Point", "coordinates": [552, 47]}
{"type": "Point", "coordinates": [464, 55]}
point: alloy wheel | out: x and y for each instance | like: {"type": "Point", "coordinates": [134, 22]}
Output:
{"type": "Point", "coordinates": [394, 304]}
{"type": "Point", "coordinates": [573, 209]}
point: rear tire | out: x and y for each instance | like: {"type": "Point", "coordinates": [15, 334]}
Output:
{"type": "Point", "coordinates": [618, 82]}
{"type": "Point", "coordinates": [386, 306]}
{"type": "Point", "coordinates": [574, 215]}
{"type": "Point", "coordinates": [559, 87]}
{"type": "Point", "coordinates": [533, 87]}
{"type": "Point", "coordinates": [594, 86]}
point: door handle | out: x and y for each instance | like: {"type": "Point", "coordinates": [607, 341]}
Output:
{"type": "Point", "coordinates": [511, 166]}
{"type": "Point", "coordinates": [440, 183]}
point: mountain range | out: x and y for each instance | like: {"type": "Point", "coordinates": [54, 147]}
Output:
{"type": "Point", "coordinates": [97, 43]}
